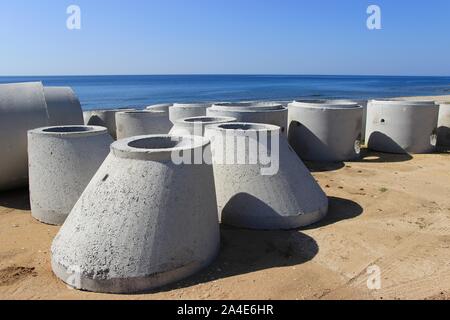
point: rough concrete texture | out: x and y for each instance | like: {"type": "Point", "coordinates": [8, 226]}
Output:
{"type": "Point", "coordinates": [143, 122]}
{"type": "Point", "coordinates": [252, 112]}
{"type": "Point", "coordinates": [103, 118]}
{"type": "Point", "coordinates": [22, 107]}
{"type": "Point", "coordinates": [196, 125]}
{"type": "Point", "coordinates": [159, 107]}
{"type": "Point", "coordinates": [443, 136]}
{"type": "Point", "coordinates": [286, 199]}
{"type": "Point", "coordinates": [142, 221]}
{"type": "Point", "coordinates": [63, 106]}
{"type": "Point", "coordinates": [402, 126]}
{"type": "Point", "coordinates": [62, 161]}
{"type": "Point", "coordinates": [325, 131]}
{"type": "Point", "coordinates": [187, 110]}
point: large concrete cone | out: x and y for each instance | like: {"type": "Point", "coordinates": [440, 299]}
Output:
{"type": "Point", "coordinates": [62, 161]}
{"type": "Point", "coordinates": [103, 118]}
{"type": "Point", "coordinates": [253, 112]}
{"type": "Point", "coordinates": [187, 110]}
{"type": "Point", "coordinates": [160, 107]}
{"type": "Point", "coordinates": [196, 125]}
{"type": "Point", "coordinates": [443, 136]}
{"type": "Point", "coordinates": [144, 122]}
{"type": "Point", "coordinates": [260, 182]}
{"type": "Point", "coordinates": [402, 126]}
{"type": "Point", "coordinates": [63, 106]}
{"type": "Point", "coordinates": [22, 107]}
{"type": "Point", "coordinates": [146, 219]}
{"type": "Point", "coordinates": [325, 130]}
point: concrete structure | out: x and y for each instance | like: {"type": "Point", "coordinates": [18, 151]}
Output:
{"type": "Point", "coordinates": [325, 130]}
{"type": "Point", "coordinates": [261, 184]}
{"type": "Point", "coordinates": [196, 125]}
{"type": "Point", "coordinates": [143, 221]}
{"type": "Point", "coordinates": [252, 112]}
{"type": "Point", "coordinates": [187, 110]}
{"type": "Point", "coordinates": [402, 126]}
{"type": "Point", "coordinates": [103, 118]}
{"type": "Point", "coordinates": [143, 122]}
{"type": "Point", "coordinates": [63, 106]}
{"type": "Point", "coordinates": [443, 135]}
{"type": "Point", "coordinates": [160, 107]}
{"type": "Point", "coordinates": [22, 107]}
{"type": "Point", "coordinates": [62, 161]}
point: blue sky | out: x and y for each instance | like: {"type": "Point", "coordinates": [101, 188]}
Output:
{"type": "Point", "coordinates": [224, 36]}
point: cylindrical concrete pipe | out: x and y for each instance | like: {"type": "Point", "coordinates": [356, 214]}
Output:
{"type": "Point", "coordinates": [62, 161]}
{"type": "Point", "coordinates": [402, 126]}
{"type": "Point", "coordinates": [196, 125]}
{"type": "Point", "coordinates": [325, 130]}
{"type": "Point", "coordinates": [145, 220]}
{"type": "Point", "coordinates": [260, 182]}
{"type": "Point", "coordinates": [187, 110]}
{"type": "Point", "coordinates": [22, 108]}
{"type": "Point", "coordinates": [443, 133]}
{"type": "Point", "coordinates": [253, 112]}
{"type": "Point", "coordinates": [103, 118]}
{"type": "Point", "coordinates": [142, 122]}
{"type": "Point", "coordinates": [63, 106]}
{"type": "Point", "coordinates": [160, 107]}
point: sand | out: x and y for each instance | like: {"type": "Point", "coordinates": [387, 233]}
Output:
{"type": "Point", "coordinates": [388, 211]}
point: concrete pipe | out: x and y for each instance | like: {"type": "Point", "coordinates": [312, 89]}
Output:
{"type": "Point", "coordinates": [253, 112]}
{"type": "Point", "coordinates": [103, 118]}
{"type": "Point", "coordinates": [22, 108]}
{"type": "Point", "coordinates": [325, 131]}
{"type": "Point", "coordinates": [260, 182]}
{"type": "Point", "coordinates": [160, 107]}
{"type": "Point", "coordinates": [63, 106]}
{"type": "Point", "coordinates": [196, 125]}
{"type": "Point", "coordinates": [402, 126]}
{"type": "Point", "coordinates": [143, 122]}
{"type": "Point", "coordinates": [188, 110]}
{"type": "Point", "coordinates": [443, 135]}
{"type": "Point", "coordinates": [62, 161]}
{"type": "Point", "coordinates": [143, 221]}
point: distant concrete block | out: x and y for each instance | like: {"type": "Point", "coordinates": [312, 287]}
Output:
{"type": "Point", "coordinates": [443, 135]}
{"type": "Point", "coordinates": [328, 131]}
{"type": "Point", "coordinates": [402, 126]}
{"type": "Point", "coordinates": [143, 221]}
{"type": "Point", "coordinates": [138, 123]}
{"type": "Point", "coordinates": [187, 110]}
{"type": "Point", "coordinates": [196, 125]}
{"type": "Point", "coordinates": [63, 106]}
{"type": "Point", "coordinates": [22, 108]}
{"type": "Point", "coordinates": [252, 112]}
{"type": "Point", "coordinates": [160, 107]}
{"type": "Point", "coordinates": [62, 161]}
{"type": "Point", "coordinates": [103, 118]}
{"type": "Point", "coordinates": [260, 182]}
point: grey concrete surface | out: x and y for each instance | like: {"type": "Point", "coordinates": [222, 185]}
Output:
{"type": "Point", "coordinates": [196, 125]}
{"type": "Point", "coordinates": [63, 106]}
{"type": "Point", "coordinates": [142, 122]}
{"type": "Point", "coordinates": [187, 110]}
{"type": "Point", "coordinates": [443, 136]}
{"type": "Point", "coordinates": [104, 118]}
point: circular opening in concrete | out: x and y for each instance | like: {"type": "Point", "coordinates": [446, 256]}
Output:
{"type": "Point", "coordinates": [157, 143]}
{"type": "Point", "coordinates": [245, 126]}
{"type": "Point", "coordinates": [68, 129]}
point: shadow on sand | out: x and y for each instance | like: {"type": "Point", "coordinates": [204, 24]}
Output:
{"type": "Point", "coordinates": [15, 199]}
{"type": "Point", "coordinates": [369, 156]}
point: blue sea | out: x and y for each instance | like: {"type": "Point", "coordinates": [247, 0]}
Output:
{"type": "Point", "coordinates": [101, 92]}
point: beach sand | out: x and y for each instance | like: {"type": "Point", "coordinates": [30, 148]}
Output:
{"type": "Point", "coordinates": [388, 211]}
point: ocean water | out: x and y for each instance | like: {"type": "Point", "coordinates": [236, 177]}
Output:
{"type": "Point", "coordinates": [101, 92]}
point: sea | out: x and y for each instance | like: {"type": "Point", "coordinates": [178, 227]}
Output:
{"type": "Point", "coordinates": [103, 92]}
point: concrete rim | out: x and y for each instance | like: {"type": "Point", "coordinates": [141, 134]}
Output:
{"type": "Point", "coordinates": [190, 105]}
{"type": "Point", "coordinates": [142, 112]}
{"type": "Point", "coordinates": [248, 106]}
{"type": "Point", "coordinates": [404, 103]}
{"type": "Point", "coordinates": [325, 104]}
{"type": "Point", "coordinates": [111, 110]}
{"type": "Point", "coordinates": [244, 127]}
{"type": "Point", "coordinates": [72, 131]}
{"type": "Point", "coordinates": [156, 147]}
{"type": "Point", "coordinates": [205, 120]}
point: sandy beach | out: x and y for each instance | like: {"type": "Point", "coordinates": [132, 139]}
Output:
{"type": "Point", "coordinates": [389, 211]}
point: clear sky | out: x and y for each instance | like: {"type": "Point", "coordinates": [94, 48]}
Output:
{"type": "Point", "coordinates": [225, 36]}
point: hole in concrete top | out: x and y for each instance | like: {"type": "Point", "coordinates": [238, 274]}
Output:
{"type": "Point", "coordinates": [204, 119]}
{"type": "Point", "coordinates": [243, 126]}
{"type": "Point", "coordinates": [68, 129]}
{"type": "Point", "coordinates": [160, 143]}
